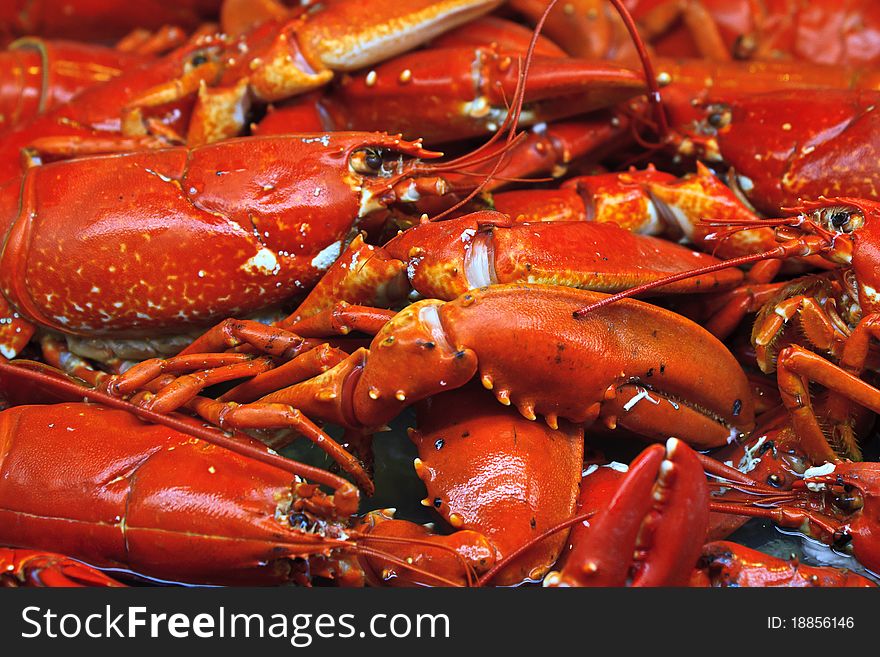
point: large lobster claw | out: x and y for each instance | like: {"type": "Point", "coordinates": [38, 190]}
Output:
{"type": "Point", "coordinates": [469, 97]}
{"type": "Point", "coordinates": [652, 530]}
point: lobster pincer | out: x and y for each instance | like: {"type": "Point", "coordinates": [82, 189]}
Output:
{"type": "Point", "coordinates": [470, 97]}
{"type": "Point", "coordinates": [443, 260]}
{"type": "Point", "coordinates": [649, 533]}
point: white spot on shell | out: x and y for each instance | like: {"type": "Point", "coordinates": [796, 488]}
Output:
{"type": "Point", "coordinates": [264, 261]}
{"type": "Point", "coordinates": [327, 256]}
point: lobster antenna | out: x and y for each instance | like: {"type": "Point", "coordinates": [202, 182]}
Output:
{"type": "Point", "coordinates": [511, 121]}
{"type": "Point", "coordinates": [781, 251]}
{"type": "Point", "coordinates": [654, 99]}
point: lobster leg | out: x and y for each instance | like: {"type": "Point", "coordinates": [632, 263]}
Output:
{"type": "Point", "coordinates": [823, 333]}
{"type": "Point", "coordinates": [699, 22]}
{"type": "Point", "coordinates": [79, 146]}
{"type": "Point", "coordinates": [222, 367]}
{"type": "Point", "coordinates": [796, 368]}
{"type": "Point", "coordinates": [342, 319]}
{"type": "Point", "coordinates": [838, 408]}
{"type": "Point", "coordinates": [152, 42]}
{"type": "Point", "coordinates": [229, 333]}
{"type": "Point", "coordinates": [309, 364]}
{"type": "Point", "coordinates": [749, 298]}
{"type": "Point", "coordinates": [651, 531]}
{"type": "Point", "coordinates": [264, 415]}
{"type": "Point", "coordinates": [813, 317]}
{"type": "Point", "coordinates": [56, 354]}
{"type": "Point", "coordinates": [584, 28]}
{"type": "Point", "coordinates": [183, 391]}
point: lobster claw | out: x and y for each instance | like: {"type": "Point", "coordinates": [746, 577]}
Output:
{"type": "Point", "coordinates": [659, 514]}
{"type": "Point", "coordinates": [449, 106]}
{"type": "Point", "coordinates": [291, 53]}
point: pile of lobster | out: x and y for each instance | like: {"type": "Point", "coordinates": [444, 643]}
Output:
{"type": "Point", "coordinates": [223, 231]}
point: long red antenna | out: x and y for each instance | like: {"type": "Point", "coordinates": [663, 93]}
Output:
{"type": "Point", "coordinates": [654, 99]}
{"type": "Point", "coordinates": [511, 121]}
{"type": "Point", "coordinates": [788, 249]}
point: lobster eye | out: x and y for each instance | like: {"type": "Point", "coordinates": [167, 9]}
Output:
{"type": "Point", "coordinates": [374, 160]}
{"type": "Point", "coordinates": [841, 220]}
{"type": "Point", "coordinates": [849, 500]}
{"type": "Point", "coordinates": [367, 160]}
{"type": "Point", "coordinates": [200, 58]}
{"type": "Point", "coordinates": [744, 46]}
{"type": "Point", "coordinates": [719, 116]}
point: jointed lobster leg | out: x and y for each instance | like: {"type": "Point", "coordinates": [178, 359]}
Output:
{"type": "Point", "coordinates": [796, 368]}
{"type": "Point", "coordinates": [183, 391]}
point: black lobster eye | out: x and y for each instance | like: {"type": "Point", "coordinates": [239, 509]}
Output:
{"type": "Point", "coordinates": [839, 219]}
{"type": "Point", "coordinates": [719, 116]}
{"type": "Point", "coordinates": [849, 500]}
{"type": "Point", "coordinates": [367, 160]}
{"type": "Point", "coordinates": [199, 58]}
{"type": "Point", "coordinates": [374, 160]}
